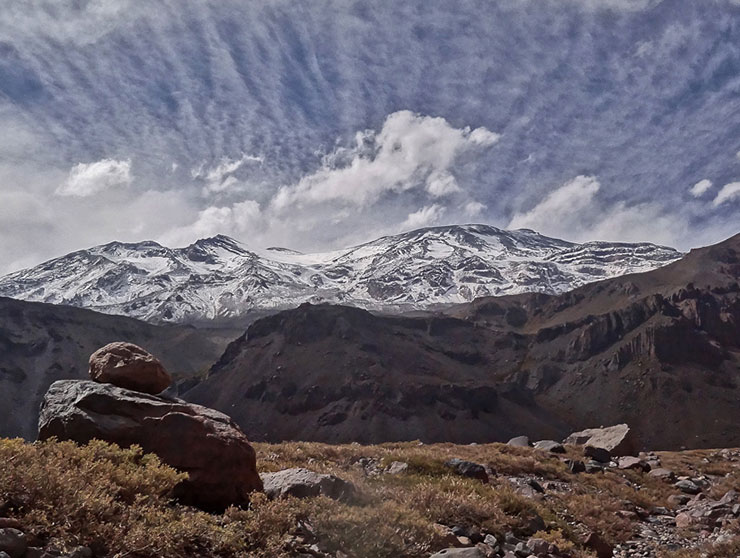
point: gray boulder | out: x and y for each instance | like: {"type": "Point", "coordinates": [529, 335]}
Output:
{"type": "Point", "coordinates": [519, 442]}
{"type": "Point", "coordinates": [618, 440]}
{"type": "Point", "coordinates": [302, 483]}
{"type": "Point", "coordinates": [206, 444]}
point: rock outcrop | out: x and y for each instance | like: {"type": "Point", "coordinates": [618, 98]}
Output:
{"type": "Point", "coordinates": [204, 443]}
{"type": "Point", "coordinates": [618, 440]}
{"type": "Point", "coordinates": [129, 366]}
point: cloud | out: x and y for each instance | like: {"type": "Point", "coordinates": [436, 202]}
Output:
{"type": "Point", "coordinates": [561, 209]}
{"type": "Point", "coordinates": [729, 192]}
{"type": "Point", "coordinates": [411, 151]}
{"type": "Point", "coordinates": [238, 220]}
{"type": "Point", "coordinates": [92, 178]}
{"type": "Point", "coordinates": [221, 177]}
{"type": "Point", "coordinates": [700, 188]}
{"type": "Point", "coordinates": [425, 217]}
{"type": "Point", "coordinates": [574, 212]}
{"type": "Point", "coordinates": [473, 208]}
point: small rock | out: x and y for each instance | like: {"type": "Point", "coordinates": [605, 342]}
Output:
{"type": "Point", "coordinates": [687, 486]}
{"type": "Point", "coordinates": [549, 445]}
{"type": "Point", "coordinates": [575, 466]}
{"type": "Point", "coordinates": [597, 454]}
{"type": "Point", "coordinates": [538, 547]}
{"type": "Point", "coordinates": [519, 442]}
{"type": "Point", "coordinates": [663, 474]}
{"type": "Point", "coordinates": [302, 483]}
{"type": "Point", "coordinates": [397, 467]}
{"type": "Point", "coordinates": [598, 545]}
{"type": "Point", "coordinates": [629, 462]}
{"type": "Point", "coordinates": [678, 499]}
{"type": "Point", "coordinates": [683, 520]}
{"type": "Point", "coordinates": [13, 542]}
{"type": "Point", "coordinates": [594, 467]}
{"type": "Point", "coordinates": [490, 540]}
{"type": "Point", "coordinates": [6, 522]}
{"type": "Point", "coordinates": [468, 469]}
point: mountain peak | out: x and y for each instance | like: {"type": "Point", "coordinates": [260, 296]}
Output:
{"type": "Point", "coordinates": [218, 278]}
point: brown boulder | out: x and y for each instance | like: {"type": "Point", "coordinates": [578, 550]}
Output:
{"type": "Point", "coordinates": [129, 366]}
{"type": "Point", "coordinates": [618, 440]}
{"type": "Point", "coordinates": [204, 443]}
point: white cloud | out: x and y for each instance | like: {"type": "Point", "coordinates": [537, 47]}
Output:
{"type": "Point", "coordinates": [238, 220]}
{"type": "Point", "coordinates": [565, 203]}
{"type": "Point", "coordinates": [473, 208]}
{"type": "Point", "coordinates": [729, 192]}
{"type": "Point", "coordinates": [700, 188]}
{"type": "Point", "coordinates": [92, 178]}
{"type": "Point", "coordinates": [410, 151]}
{"type": "Point", "coordinates": [441, 183]}
{"type": "Point", "coordinates": [574, 211]}
{"type": "Point", "coordinates": [425, 217]}
{"type": "Point", "coordinates": [221, 177]}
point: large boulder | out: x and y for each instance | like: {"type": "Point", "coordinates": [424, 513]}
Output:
{"type": "Point", "coordinates": [618, 440]}
{"type": "Point", "coordinates": [129, 366]}
{"type": "Point", "coordinates": [204, 443]}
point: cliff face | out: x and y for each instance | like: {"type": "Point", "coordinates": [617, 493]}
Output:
{"type": "Point", "coordinates": [659, 350]}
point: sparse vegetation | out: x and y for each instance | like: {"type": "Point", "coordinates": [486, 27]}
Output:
{"type": "Point", "coordinates": [118, 502]}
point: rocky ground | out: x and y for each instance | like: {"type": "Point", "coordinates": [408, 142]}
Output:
{"type": "Point", "coordinates": [391, 500]}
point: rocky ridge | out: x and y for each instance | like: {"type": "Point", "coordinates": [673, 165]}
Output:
{"type": "Point", "coordinates": [220, 279]}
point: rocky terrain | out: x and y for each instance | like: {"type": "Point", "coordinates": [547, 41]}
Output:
{"type": "Point", "coordinates": [152, 464]}
{"type": "Point", "coordinates": [394, 500]}
{"type": "Point", "coordinates": [220, 279]}
{"type": "Point", "coordinates": [658, 350]}
{"type": "Point", "coordinates": [42, 343]}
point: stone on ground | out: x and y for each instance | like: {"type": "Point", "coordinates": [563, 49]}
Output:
{"type": "Point", "coordinates": [619, 440]}
{"type": "Point", "coordinates": [129, 366]}
{"type": "Point", "coordinates": [302, 483]}
{"type": "Point", "coordinates": [202, 442]}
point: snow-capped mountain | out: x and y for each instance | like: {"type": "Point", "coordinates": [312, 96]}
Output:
{"type": "Point", "coordinates": [219, 278]}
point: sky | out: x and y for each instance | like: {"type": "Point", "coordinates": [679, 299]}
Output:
{"type": "Point", "coordinates": [320, 124]}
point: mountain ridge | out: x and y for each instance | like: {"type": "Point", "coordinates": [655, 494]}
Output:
{"type": "Point", "coordinates": [218, 278]}
{"type": "Point", "coordinates": [658, 350]}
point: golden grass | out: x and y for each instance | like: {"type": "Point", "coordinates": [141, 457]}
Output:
{"type": "Point", "coordinates": [118, 501]}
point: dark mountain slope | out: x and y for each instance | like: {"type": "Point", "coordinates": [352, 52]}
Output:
{"type": "Point", "coordinates": [659, 350]}
{"type": "Point", "coordinates": [42, 343]}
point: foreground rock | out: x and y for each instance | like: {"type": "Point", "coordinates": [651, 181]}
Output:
{"type": "Point", "coordinates": [302, 483]}
{"type": "Point", "coordinates": [129, 366]}
{"type": "Point", "coordinates": [618, 440]}
{"type": "Point", "coordinates": [204, 443]}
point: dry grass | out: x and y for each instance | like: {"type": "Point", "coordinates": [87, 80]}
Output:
{"type": "Point", "coordinates": [118, 501]}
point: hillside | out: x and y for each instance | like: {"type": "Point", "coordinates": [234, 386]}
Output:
{"type": "Point", "coordinates": [658, 350]}
{"type": "Point", "coordinates": [42, 343]}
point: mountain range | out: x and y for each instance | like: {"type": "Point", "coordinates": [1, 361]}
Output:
{"type": "Point", "coordinates": [658, 350]}
{"type": "Point", "coordinates": [219, 279]}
